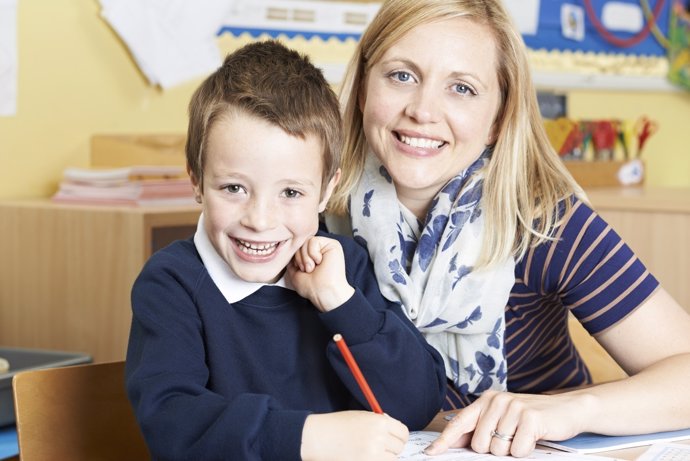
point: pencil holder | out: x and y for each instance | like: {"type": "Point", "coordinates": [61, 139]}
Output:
{"type": "Point", "coordinates": [607, 173]}
{"type": "Point", "coordinates": [604, 152]}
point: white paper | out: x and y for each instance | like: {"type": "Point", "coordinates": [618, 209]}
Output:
{"type": "Point", "coordinates": [301, 16]}
{"type": "Point", "coordinates": [573, 22]}
{"type": "Point", "coordinates": [419, 440]}
{"type": "Point", "coordinates": [624, 17]}
{"type": "Point", "coordinates": [631, 172]}
{"type": "Point", "coordinates": [8, 57]}
{"type": "Point", "coordinates": [525, 14]}
{"type": "Point", "coordinates": [666, 452]}
{"type": "Point", "coordinates": [172, 41]}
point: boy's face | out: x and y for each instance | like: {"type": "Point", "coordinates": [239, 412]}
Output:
{"type": "Point", "coordinates": [262, 194]}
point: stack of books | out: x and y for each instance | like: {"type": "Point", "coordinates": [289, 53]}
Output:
{"type": "Point", "coordinates": [134, 186]}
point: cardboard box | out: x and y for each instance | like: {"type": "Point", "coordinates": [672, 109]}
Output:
{"type": "Point", "coordinates": [114, 151]}
{"type": "Point", "coordinates": [29, 359]}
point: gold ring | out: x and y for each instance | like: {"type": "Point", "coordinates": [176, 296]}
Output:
{"type": "Point", "coordinates": [498, 435]}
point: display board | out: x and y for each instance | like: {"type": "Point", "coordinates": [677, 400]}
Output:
{"type": "Point", "coordinates": [602, 26]}
{"type": "Point", "coordinates": [609, 26]}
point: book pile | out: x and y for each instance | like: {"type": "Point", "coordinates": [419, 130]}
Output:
{"type": "Point", "coordinates": [134, 186]}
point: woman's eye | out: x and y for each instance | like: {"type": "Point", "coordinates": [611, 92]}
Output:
{"type": "Point", "coordinates": [401, 76]}
{"type": "Point", "coordinates": [233, 188]}
{"type": "Point", "coordinates": [292, 193]}
{"type": "Point", "coordinates": [463, 89]}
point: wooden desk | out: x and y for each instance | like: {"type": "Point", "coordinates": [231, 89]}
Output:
{"type": "Point", "coordinates": [67, 271]}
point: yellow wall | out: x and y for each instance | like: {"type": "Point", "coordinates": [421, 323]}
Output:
{"type": "Point", "coordinates": [667, 153]}
{"type": "Point", "coordinates": [76, 79]}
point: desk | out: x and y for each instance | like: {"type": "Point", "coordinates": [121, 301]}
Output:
{"type": "Point", "coordinates": [67, 271]}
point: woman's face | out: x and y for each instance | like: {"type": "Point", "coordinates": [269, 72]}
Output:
{"type": "Point", "coordinates": [429, 104]}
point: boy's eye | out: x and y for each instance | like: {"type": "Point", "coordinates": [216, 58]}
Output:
{"type": "Point", "coordinates": [292, 193]}
{"type": "Point", "coordinates": [233, 188]}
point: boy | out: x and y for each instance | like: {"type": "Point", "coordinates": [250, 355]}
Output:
{"type": "Point", "coordinates": [231, 353]}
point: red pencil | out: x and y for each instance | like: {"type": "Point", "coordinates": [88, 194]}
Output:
{"type": "Point", "coordinates": [357, 373]}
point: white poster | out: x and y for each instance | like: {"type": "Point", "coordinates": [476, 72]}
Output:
{"type": "Point", "coordinates": [8, 58]}
{"type": "Point", "coordinates": [172, 41]}
{"type": "Point", "coordinates": [525, 14]}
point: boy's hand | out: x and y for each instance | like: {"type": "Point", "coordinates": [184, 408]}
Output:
{"type": "Point", "coordinates": [348, 435]}
{"type": "Point", "coordinates": [317, 272]}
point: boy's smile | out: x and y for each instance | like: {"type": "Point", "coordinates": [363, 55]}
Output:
{"type": "Point", "coordinates": [255, 251]}
{"type": "Point", "coordinates": [262, 194]}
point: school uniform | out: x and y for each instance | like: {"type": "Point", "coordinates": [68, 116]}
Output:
{"type": "Point", "coordinates": [218, 368]}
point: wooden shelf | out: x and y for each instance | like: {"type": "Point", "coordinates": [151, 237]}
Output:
{"type": "Point", "coordinates": [655, 223]}
{"type": "Point", "coordinates": [68, 270]}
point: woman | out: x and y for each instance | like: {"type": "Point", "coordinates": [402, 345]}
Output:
{"type": "Point", "coordinates": [476, 227]}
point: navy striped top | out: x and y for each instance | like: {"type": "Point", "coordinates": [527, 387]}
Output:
{"type": "Point", "coordinates": [587, 270]}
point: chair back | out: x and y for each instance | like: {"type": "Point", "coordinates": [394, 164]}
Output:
{"type": "Point", "coordinates": [76, 413]}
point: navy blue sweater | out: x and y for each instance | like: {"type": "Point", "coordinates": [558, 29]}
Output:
{"type": "Point", "coordinates": [213, 380]}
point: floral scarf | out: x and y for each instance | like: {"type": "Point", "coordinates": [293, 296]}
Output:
{"type": "Point", "coordinates": [429, 268]}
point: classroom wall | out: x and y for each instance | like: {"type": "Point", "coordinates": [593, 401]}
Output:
{"type": "Point", "coordinates": [76, 79]}
{"type": "Point", "coordinates": [667, 154]}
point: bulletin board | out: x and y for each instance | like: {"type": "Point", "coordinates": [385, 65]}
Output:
{"type": "Point", "coordinates": [596, 37]}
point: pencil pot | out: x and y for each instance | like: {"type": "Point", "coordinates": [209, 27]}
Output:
{"type": "Point", "coordinates": [604, 152]}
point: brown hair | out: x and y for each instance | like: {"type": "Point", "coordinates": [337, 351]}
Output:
{"type": "Point", "coordinates": [272, 82]}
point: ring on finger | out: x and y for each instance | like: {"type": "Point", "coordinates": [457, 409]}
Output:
{"type": "Point", "coordinates": [498, 435]}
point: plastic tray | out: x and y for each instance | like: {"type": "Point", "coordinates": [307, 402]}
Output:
{"type": "Point", "coordinates": [29, 359]}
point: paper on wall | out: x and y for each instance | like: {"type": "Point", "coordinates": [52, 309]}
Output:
{"type": "Point", "coordinates": [625, 17]}
{"type": "Point", "coordinates": [301, 16]}
{"type": "Point", "coordinates": [172, 41]}
{"type": "Point", "coordinates": [8, 57]}
{"type": "Point", "coordinates": [525, 14]}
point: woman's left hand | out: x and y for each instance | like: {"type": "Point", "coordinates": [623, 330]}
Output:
{"type": "Point", "coordinates": [503, 423]}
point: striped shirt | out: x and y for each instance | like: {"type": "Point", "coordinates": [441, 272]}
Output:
{"type": "Point", "coordinates": [589, 271]}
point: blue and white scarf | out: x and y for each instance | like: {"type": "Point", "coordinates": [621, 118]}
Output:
{"type": "Point", "coordinates": [429, 269]}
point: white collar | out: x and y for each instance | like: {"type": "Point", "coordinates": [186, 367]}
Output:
{"type": "Point", "coordinates": [230, 285]}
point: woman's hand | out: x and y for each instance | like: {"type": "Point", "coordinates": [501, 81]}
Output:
{"type": "Point", "coordinates": [318, 273]}
{"type": "Point", "coordinates": [348, 435]}
{"type": "Point", "coordinates": [519, 421]}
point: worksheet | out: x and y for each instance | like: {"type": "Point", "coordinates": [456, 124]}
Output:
{"type": "Point", "coordinates": [666, 452]}
{"type": "Point", "coordinates": [419, 440]}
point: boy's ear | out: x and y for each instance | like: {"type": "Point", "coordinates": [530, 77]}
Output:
{"type": "Point", "coordinates": [195, 182]}
{"type": "Point", "coordinates": [329, 190]}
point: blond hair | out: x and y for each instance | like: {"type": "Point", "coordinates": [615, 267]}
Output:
{"type": "Point", "coordinates": [525, 180]}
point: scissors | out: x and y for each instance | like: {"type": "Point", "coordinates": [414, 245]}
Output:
{"type": "Point", "coordinates": [604, 135]}
{"type": "Point", "coordinates": [644, 128]}
{"type": "Point", "coordinates": [626, 135]}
